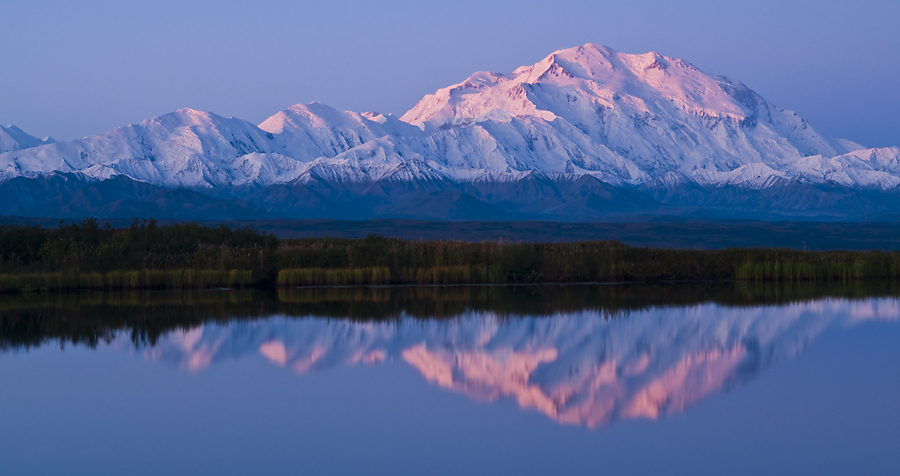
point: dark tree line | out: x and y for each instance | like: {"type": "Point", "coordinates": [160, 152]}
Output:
{"type": "Point", "coordinates": [88, 247]}
{"type": "Point", "coordinates": [583, 261]}
{"type": "Point", "coordinates": [187, 255]}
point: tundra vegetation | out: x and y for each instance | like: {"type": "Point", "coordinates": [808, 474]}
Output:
{"type": "Point", "coordinates": [145, 255]}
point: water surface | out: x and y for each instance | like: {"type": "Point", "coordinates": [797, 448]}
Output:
{"type": "Point", "coordinates": [454, 380]}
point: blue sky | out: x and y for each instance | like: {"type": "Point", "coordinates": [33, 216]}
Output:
{"type": "Point", "coordinates": [74, 68]}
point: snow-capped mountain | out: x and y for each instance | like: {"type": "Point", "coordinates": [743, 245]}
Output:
{"type": "Point", "coordinates": [577, 368]}
{"type": "Point", "coordinates": [587, 132]}
{"type": "Point", "coordinates": [12, 138]}
{"type": "Point", "coordinates": [641, 118]}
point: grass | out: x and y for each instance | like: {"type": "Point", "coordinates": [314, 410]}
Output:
{"type": "Point", "coordinates": [144, 279]}
{"type": "Point", "coordinates": [834, 266]}
{"type": "Point", "coordinates": [383, 275]}
{"type": "Point", "coordinates": [333, 277]}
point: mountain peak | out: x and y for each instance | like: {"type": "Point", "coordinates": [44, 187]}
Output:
{"type": "Point", "coordinates": [314, 114]}
{"type": "Point", "coordinates": [12, 138]}
{"type": "Point", "coordinates": [592, 74]}
{"type": "Point", "coordinates": [185, 116]}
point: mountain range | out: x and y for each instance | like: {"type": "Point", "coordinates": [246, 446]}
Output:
{"type": "Point", "coordinates": [586, 134]}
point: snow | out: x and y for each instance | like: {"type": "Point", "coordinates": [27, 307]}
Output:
{"type": "Point", "coordinates": [626, 119]}
{"type": "Point", "coordinates": [12, 138]}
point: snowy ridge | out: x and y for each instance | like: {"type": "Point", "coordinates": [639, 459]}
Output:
{"type": "Point", "coordinates": [627, 120]}
{"type": "Point", "coordinates": [12, 138]}
{"type": "Point", "coordinates": [577, 368]}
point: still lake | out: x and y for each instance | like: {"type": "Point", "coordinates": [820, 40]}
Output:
{"type": "Point", "coordinates": [585, 379]}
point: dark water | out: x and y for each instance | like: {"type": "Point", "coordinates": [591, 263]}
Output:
{"type": "Point", "coordinates": [712, 379]}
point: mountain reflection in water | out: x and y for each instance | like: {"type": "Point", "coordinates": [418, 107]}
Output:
{"type": "Point", "coordinates": [586, 355]}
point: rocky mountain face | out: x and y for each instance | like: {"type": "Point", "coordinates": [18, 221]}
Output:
{"type": "Point", "coordinates": [586, 134]}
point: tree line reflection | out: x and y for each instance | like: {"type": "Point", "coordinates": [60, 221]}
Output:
{"type": "Point", "coordinates": [92, 318]}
